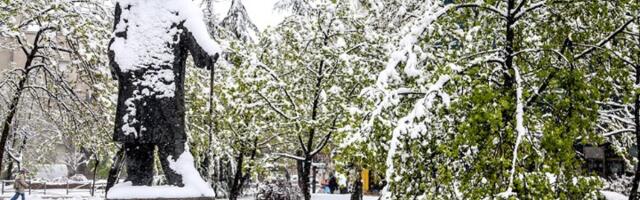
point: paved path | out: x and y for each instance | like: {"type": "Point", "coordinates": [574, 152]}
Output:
{"type": "Point", "coordinates": [84, 195]}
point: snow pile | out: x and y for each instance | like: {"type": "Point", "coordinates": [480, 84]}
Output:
{"type": "Point", "coordinates": [50, 172]}
{"type": "Point", "coordinates": [190, 175]}
{"type": "Point", "coordinates": [78, 178]}
{"type": "Point", "coordinates": [194, 186]}
{"type": "Point", "coordinates": [613, 195]}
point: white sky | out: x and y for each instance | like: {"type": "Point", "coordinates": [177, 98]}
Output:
{"type": "Point", "coordinates": [260, 11]}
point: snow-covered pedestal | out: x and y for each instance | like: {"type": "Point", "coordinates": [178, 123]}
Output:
{"type": "Point", "coordinates": [194, 186]}
{"type": "Point", "coordinates": [126, 191]}
{"type": "Point", "coordinates": [181, 198]}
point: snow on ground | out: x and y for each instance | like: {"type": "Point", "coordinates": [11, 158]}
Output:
{"type": "Point", "coordinates": [84, 195]}
{"type": "Point", "coordinates": [338, 197]}
{"type": "Point", "coordinates": [60, 194]}
{"type": "Point", "coordinates": [127, 191]}
{"type": "Point", "coordinates": [322, 196]}
{"type": "Point", "coordinates": [613, 195]}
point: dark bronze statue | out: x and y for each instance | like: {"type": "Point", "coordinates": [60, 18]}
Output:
{"type": "Point", "coordinates": [147, 53]}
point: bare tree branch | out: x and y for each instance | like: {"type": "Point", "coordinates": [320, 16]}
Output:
{"type": "Point", "coordinates": [489, 8]}
{"type": "Point", "coordinates": [605, 40]}
{"type": "Point", "coordinates": [618, 132]}
{"type": "Point", "coordinates": [535, 6]}
{"type": "Point", "coordinates": [284, 155]}
{"type": "Point", "coordinates": [273, 107]}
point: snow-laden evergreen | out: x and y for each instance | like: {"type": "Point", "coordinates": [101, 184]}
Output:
{"type": "Point", "coordinates": [237, 21]}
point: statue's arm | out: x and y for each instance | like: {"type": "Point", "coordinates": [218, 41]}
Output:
{"type": "Point", "coordinates": [201, 57]}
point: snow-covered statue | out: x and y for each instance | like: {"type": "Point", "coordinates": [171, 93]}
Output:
{"type": "Point", "coordinates": [150, 44]}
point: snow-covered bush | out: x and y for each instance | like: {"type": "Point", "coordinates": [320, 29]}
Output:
{"type": "Point", "coordinates": [620, 184]}
{"type": "Point", "coordinates": [278, 190]}
{"type": "Point", "coordinates": [78, 178]}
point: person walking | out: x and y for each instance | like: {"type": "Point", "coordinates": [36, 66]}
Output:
{"type": "Point", "coordinates": [333, 183]}
{"type": "Point", "coordinates": [20, 185]}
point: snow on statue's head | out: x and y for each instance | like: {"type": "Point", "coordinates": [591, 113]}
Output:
{"type": "Point", "coordinates": [146, 35]}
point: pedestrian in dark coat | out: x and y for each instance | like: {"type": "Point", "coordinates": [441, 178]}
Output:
{"type": "Point", "coordinates": [333, 184]}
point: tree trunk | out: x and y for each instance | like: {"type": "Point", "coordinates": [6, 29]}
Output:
{"type": "Point", "coordinates": [508, 62]}
{"type": "Point", "coordinates": [636, 116]}
{"type": "Point", "coordinates": [313, 179]}
{"type": "Point", "coordinates": [236, 183]}
{"type": "Point", "coordinates": [299, 166]}
{"type": "Point", "coordinates": [95, 170]}
{"type": "Point", "coordinates": [24, 144]}
{"type": "Point", "coordinates": [208, 157]}
{"type": "Point", "coordinates": [21, 86]}
{"type": "Point", "coordinates": [214, 178]}
{"type": "Point", "coordinates": [12, 110]}
{"type": "Point", "coordinates": [240, 176]}
{"type": "Point", "coordinates": [304, 179]}
{"type": "Point", "coordinates": [509, 81]}
{"type": "Point", "coordinates": [211, 82]}
{"type": "Point", "coordinates": [9, 169]}
{"type": "Point", "coordinates": [357, 186]}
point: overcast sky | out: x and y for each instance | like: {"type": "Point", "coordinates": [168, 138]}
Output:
{"type": "Point", "coordinates": [260, 11]}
